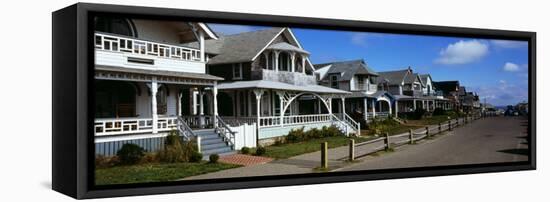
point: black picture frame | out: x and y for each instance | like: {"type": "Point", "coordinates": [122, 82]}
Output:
{"type": "Point", "coordinates": [72, 81]}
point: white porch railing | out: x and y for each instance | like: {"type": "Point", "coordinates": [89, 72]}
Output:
{"type": "Point", "coordinates": [371, 88]}
{"type": "Point", "coordinates": [237, 121]}
{"type": "Point", "coordinates": [272, 121]}
{"type": "Point", "coordinates": [378, 114]}
{"type": "Point", "coordinates": [119, 126]}
{"type": "Point", "coordinates": [110, 42]}
{"type": "Point", "coordinates": [197, 121]}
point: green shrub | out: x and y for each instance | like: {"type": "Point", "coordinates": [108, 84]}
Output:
{"type": "Point", "coordinates": [381, 127]}
{"type": "Point", "coordinates": [176, 150]}
{"type": "Point", "coordinates": [195, 157]}
{"type": "Point", "coordinates": [296, 135]}
{"type": "Point", "coordinates": [260, 151]}
{"type": "Point", "coordinates": [213, 158]}
{"type": "Point", "coordinates": [245, 150]}
{"type": "Point", "coordinates": [130, 154]}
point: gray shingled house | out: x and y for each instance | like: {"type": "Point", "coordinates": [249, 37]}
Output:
{"type": "Point", "coordinates": [449, 90]}
{"type": "Point", "coordinates": [366, 101]}
{"type": "Point", "coordinates": [407, 89]}
{"type": "Point", "coordinates": [270, 82]}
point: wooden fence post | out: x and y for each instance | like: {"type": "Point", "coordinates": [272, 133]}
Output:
{"type": "Point", "coordinates": [324, 155]}
{"type": "Point", "coordinates": [387, 142]}
{"type": "Point", "coordinates": [411, 138]}
{"type": "Point", "coordinates": [427, 131]}
{"type": "Point", "coordinates": [351, 150]}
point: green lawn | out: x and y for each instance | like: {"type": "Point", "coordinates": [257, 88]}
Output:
{"type": "Point", "coordinates": [287, 150]}
{"type": "Point", "coordinates": [155, 172]}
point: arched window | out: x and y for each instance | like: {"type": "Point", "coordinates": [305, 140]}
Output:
{"type": "Point", "coordinates": [120, 26]}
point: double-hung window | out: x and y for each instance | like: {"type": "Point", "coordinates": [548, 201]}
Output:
{"type": "Point", "coordinates": [237, 71]}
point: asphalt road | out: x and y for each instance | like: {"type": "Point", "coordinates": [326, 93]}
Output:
{"type": "Point", "coordinates": [490, 140]}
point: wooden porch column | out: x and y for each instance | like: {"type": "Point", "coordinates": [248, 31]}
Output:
{"type": "Point", "coordinates": [154, 88]}
{"type": "Point", "coordinates": [276, 59]}
{"type": "Point", "coordinates": [258, 93]}
{"type": "Point", "coordinates": [201, 108]}
{"type": "Point", "coordinates": [215, 100]}
{"type": "Point", "coordinates": [373, 109]}
{"type": "Point", "coordinates": [343, 106]}
{"type": "Point", "coordinates": [396, 108]}
{"type": "Point", "coordinates": [293, 61]}
{"type": "Point", "coordinates": [201, 43]}
{"type": "Point", "coordinates": [365, 106]}
{"type": "Point", "coordinates": [281, 106]}
{"type": "Point", "coordinates": [179, 96]}
{"type": "Point", "coordinates": [389, 109]}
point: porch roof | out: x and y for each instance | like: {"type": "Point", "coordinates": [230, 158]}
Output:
{"type": "Point", "coordinates": [262, 84]}
{"type": "Point", "coordinates": [159, 73]}
{"type": "Point", "coordinates": [406, 97]}
{"type": "Point", "coordinates": [377, 94]}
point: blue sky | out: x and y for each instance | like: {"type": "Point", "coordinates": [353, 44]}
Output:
{"type": "Point", "coordinates": [495, 69]}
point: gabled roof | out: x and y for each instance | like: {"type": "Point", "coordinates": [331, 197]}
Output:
{"type": "Point", "coordinates": [246, 46]}
{"type": "Point", "coordinates": [286, 46]}
{"type": "Point", "coordinates": [424, 78]}
{"type": "Point", "coordinates": [394, 77]}
{"type": "Point", "coordinates": [348, 69]}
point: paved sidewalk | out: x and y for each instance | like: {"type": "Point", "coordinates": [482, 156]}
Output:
{"type": "Point", "coordinates": [305, 163]}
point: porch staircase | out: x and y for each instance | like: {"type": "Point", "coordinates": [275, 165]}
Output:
{"type": "Point", "coordinates": [212, 143]}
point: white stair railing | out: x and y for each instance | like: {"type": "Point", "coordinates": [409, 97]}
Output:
{"type": "Point", "coordinates": [228, 135]}
{"type": "Point", "coordinates": [184, 129]}
{"type": "Point", "coordinates": [340, 124]}
{"type": "Point", "coordinates": [354, 124]}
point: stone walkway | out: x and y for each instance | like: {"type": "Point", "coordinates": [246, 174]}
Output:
{"type": "Point", "coordinates": [305, 163]}
{"type": "Point", "coordinates": [245, 160]}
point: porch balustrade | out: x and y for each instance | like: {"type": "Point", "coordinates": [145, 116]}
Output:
{"type": "Point", "coordinates": [371, 88]}
{"type": "Point", "coordinates": [120, 126]}
{"type": "Point", "coordinates": [124, 44]}
{"type": "Point", "coordinates": [272, 121]}
{"type": "Point", "coordinates": [237, 121]}
{"type": "Point", "coordinates": [378, 114]}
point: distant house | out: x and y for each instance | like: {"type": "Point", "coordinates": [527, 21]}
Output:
{"type": "Point", "coordinates": [469, 102]}
{"type": "Point", "coordinates": [366, 100]}
{"type": "Point", "coordinates": [450, 91]}
{"type": "Point", "coordinates": [407, 89]}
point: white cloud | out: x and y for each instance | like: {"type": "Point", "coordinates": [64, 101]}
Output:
{"type": "Point", "coordinates": [508, 43]}
{"type": "Point", "coordinates": [360, 38]}
{"type": "Point", "coordinates": [226, 29]}
{"type": "Point", "coordinates": [510, 67]}
{"type": "Point", "coordinates": [502, 93]}
{"type": "Point", "coordinates": [463, 52]}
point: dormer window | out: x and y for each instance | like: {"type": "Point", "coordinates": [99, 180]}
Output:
{"type": "Point", "coordinates": [237, 71]}
{"type": "Point", "coordinates": [334, 81]}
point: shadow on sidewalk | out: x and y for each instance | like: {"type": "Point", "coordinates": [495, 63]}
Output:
{"type": "Point", "coordinates": [524, 152]}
